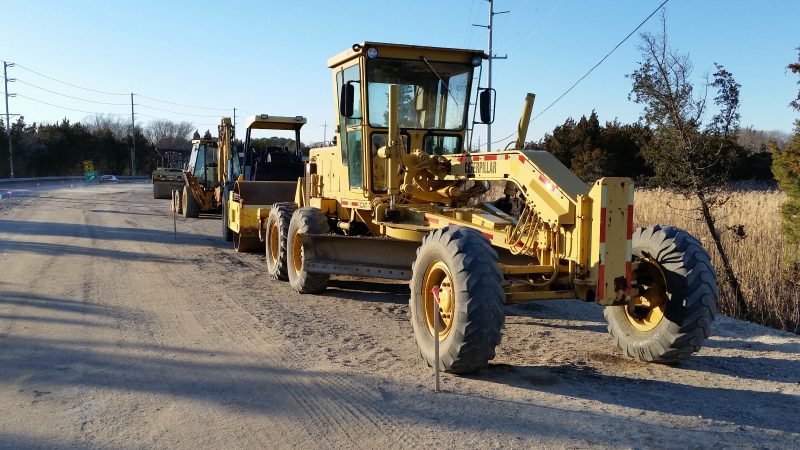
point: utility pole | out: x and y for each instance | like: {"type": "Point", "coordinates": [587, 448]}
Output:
{"type": "Point", "coordinates": [492, 56]}
{"type": "Point", "coordinates": [233, 135]}
{"type": "Point", "coordinates": [133, 139]}
{"type": "Point", "coordinates": [6, 65]}
{"type": "Point", "coordinates": [325, 133]}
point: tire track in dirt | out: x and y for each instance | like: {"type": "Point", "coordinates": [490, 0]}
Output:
{"type": "Point", "coordinates": [333, 398]}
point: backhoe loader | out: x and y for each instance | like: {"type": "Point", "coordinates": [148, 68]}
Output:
{"type": "Point", "coordinates": [201, 180]}
{"type": "Point", "coordinates": [398, 196]}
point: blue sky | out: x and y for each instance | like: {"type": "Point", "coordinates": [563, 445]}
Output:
{"type": "Point", "coordinates": [270, 56]}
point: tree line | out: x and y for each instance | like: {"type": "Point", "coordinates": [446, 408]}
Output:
{"type": "Point", "coordinates": [59, 149]}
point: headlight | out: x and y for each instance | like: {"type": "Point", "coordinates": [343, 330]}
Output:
{"type": "Point", "coordinates": [372, 52]}
{"type": "Point", "coordinates": [476, 60]}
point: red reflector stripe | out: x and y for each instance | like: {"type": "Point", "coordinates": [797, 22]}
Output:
{"type": "Point", "coordinates": [476, 158]}
{"type": "Point", "coordinates": [462, 159]}
{"type": "Point", "coordinates": [433, 220]}
{"type": "Point", "coordinates": [490, 157]}
{"type": "Point", "coordinates": [602, 225]}
{"type": "Point", "coordinates": [601, 288]}
{"type": "Point", "coordinates": [488, 236]}
{"type": "Point", "coordinates": [521, 158]}
{"type": "Point", "coordinates": [630, 221]}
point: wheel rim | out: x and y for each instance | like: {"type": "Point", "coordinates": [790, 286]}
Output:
{"type": "Point", "coordinates": [297, 253]}
{"type": "Point", "coordinates": [438, 279]}
{"type": "Point", "coordinates": [273, 242]}
{"type": "Point", "coordinates": [646, 310]}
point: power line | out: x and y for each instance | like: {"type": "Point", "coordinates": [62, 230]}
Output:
{"type": "Point", "coordinates": [70, 109]}
{"type": "Point", "coordinates": [175, 112]}
{"type": "Point", "coordinates": [169, 120]}
{"type": "Point", "coordinates": [108, 93]}
{"type": "Point", "coordinates": [69, 96]}
{"type": "Point", "coordinates": [538, 27]}
{"type": "Point", "coordinates": [592, 69]}
{"type": "Point", "coordinates": [69, 84]}
{"type": "Point", "coordinates": [181, 104]}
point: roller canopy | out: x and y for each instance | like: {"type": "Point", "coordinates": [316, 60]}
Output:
{"type": "Point", "coordinates": [267, 122]}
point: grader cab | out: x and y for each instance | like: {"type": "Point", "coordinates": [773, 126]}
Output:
{"type": "Point", "coordinates": [399, 196]}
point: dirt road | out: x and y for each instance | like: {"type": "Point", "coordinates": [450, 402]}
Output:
{"type": "Point", "coordinates": [113, 333]}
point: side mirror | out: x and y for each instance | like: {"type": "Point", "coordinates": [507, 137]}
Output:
{"type": "Point", "coordinates": [487, 99]}
{"type": "Point", "coordinates": [346, 97]}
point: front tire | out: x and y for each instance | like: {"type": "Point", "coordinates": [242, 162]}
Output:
{"type": "Point", "coordinates": [461, 265]}
{"type": "Point", "coordinates": [672, 316]}
{"type": "Point", "coordinates": [280, 216]}
{"type": "Point", "coordinates": [305, 221]}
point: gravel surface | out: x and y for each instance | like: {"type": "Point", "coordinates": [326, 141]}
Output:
{"type": "Point", "coordinates": [116, 333]}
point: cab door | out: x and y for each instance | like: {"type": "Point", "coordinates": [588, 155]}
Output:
{"type": "Point", "coordinates": [351, 130]}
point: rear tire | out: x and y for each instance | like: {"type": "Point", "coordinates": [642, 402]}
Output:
{"type": "Point", "coordinates": [280, 216]}
{"type": "Point", "coordinates": [190, 208]}
{"type": "Point", "coordinates": [305, 221]}
{"type": "Point", "coordinates": [672, 317]}
{"type": "Point", "coordinates": [462, 265]}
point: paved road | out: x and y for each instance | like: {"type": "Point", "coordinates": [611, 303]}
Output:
{"type": "Point", "coordinates": [116, 333]}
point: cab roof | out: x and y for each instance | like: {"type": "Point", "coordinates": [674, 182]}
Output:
{"type": "Point", "coordinates": [267, 122]}
{"type": "Point", "coordinates": [404, 51]}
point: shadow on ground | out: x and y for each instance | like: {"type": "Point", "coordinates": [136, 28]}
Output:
{"type": "Point", "coordinates": [22, 227]}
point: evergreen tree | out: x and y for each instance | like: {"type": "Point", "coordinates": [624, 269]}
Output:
{"type": "Point", "coordinates": [786, 167]}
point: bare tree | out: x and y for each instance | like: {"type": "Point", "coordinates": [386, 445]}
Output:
{"type": "Point", "coordinates": [169, 134]}
{"type": "Point", "coordinates": [119, 128]}
{"type": "Point", "coordinates": [690, 154]}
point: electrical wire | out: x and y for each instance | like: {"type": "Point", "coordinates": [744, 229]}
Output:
{"type": "Point", "coordinates": [538, 27]}
{"type": "Point", "coordinates": [70, 109]}
{"type": "Point", "coordinates": [169, 120]}
{"type": "Point", "coordinates": [69, 96]}
{"type": "Point", "coordinates": [590, 70]}
{"type": "Point", "coordinates": [174, 112]}
{"type": "Point", "coordinates": [68, 84]}
{"type": "Point", "coordinates": [109, 93]}
{"type": "Point", "coordinates": [181, 104]}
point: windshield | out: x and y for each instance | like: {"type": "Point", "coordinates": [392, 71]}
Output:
{"type": "Point", "coordinates": [426, 100]}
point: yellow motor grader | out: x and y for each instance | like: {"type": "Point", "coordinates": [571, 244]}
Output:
{"type": "Point", "coordinates": [398, 196]}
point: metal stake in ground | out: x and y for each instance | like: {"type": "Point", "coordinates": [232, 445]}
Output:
{"type": "Point", "coordinates": [174, 216]}
{"type": "Point", "coordinates": [435, 316]}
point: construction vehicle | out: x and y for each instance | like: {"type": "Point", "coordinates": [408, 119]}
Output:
{"type": "Point", "coordinates": [201, 180]}
{"type": "Point", "coordinates": [398, 197]}
{"type": "Point", "coordinates": [168, 176]}
{"type": "Point", "coordinates": [166, 180]}
{"type": "Point", "coordinates": [269, 175]}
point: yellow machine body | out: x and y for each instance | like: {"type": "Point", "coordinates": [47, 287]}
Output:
{"type": "Point", "coordinates": [400, 169]}
{"type": "Point", "coordinates": [248, 202]}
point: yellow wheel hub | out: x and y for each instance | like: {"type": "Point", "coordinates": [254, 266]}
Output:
{"type": "Point", "coordinates": [646, 311]}
{"type": "Point", "coordinates": [297, 253]}
{"type": "Point", "coordinates": [273, 242]}
{"type": "Point", "coordinates": [437, 284]}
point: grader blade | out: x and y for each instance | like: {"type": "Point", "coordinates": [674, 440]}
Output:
{"type": "Point", "coordinates": [362, 256]}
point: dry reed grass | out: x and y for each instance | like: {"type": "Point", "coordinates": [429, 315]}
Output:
{"type": "Point", "coordinates": [756, 259]}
